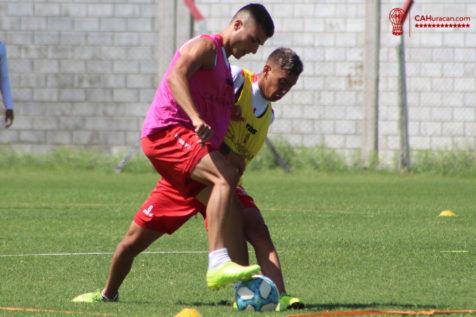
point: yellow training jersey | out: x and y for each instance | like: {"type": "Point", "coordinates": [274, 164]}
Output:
{"type": "Point", "coordinates": [247, 137]}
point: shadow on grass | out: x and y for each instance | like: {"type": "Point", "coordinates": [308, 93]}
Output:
{"type": "Point", "coordinates": [336, 306]}
{"type": "Point", "coordinates": [210, 304]}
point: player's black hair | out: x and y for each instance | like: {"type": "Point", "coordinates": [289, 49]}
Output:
{"type": "Point", "coordinates": [287, 59]}
{"type": "Point", "coordinates": [260, 15]}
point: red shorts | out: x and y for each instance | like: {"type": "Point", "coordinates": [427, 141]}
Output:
{"type": "Point", "coordinates": [245, 199]}
{"type": "Point", "coordinates": [174, 152]}
{"type": "Point", "coordinates": [167, 209]}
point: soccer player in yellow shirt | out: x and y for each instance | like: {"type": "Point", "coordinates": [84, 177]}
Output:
{"type": "Point", "coordinates": [245, 136]}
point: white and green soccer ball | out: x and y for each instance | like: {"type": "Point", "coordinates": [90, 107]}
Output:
{"type": "Point", "coordinates": [258, 294]}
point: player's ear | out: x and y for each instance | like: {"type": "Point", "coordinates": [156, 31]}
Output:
{"type": "Point", "coordinates": [237, 24]}
{"type": "Point", "coordinates": [266, 70]}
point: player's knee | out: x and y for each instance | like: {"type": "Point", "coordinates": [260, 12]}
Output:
{"type": "Point", "coordinates": [222, 185]}
{"type": "Point", "coordinates": [228, 180]}
{"type": "Point", "coordinates": [128, 247]}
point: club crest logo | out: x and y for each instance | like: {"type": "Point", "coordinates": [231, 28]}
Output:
{"type": "Point", "coordinates": [396, 18]}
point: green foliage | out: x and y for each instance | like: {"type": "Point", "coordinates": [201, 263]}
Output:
{"type": "Point", "coordinates": [456, 162]}
{"type": "Point", "coordinates": [323, 159]}
{"type": "Point", "coordinates": [68, 159]}
{"type": "Point", "coordinates": [318, 158]}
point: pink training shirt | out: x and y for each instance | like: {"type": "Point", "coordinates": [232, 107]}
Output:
{"type": "Point", "coordinates": [212, 93]}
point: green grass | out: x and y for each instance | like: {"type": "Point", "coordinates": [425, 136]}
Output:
{"type": "Point", "coordinates": [346, 241]}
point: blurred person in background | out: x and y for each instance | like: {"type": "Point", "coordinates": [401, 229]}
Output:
{"type": "Point", "coordinates": [5, 86]}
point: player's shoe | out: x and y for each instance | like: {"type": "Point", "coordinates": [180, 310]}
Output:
{"type": "Point", "coordinates": [228, 273]}
{"type": "Point", "coordinates": [285, 302]}
{"type": "Point", "coordinates": [94, 297]}
{"type": "Point", "coordinates": [289, 302]}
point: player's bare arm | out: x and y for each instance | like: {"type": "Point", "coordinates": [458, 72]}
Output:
{"type": "Point", "coordinates": [197, 54]}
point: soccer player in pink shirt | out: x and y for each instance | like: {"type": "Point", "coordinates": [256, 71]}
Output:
{"type": "Point", "coordinates": [184, 127]}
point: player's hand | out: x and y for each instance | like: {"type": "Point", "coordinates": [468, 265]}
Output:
{"type": "Point", "coordinates": [8, 118]}
{"type": "Point", "coordinates": [203, 130]}
{"type": "Point", "coordinates": [236, 113]}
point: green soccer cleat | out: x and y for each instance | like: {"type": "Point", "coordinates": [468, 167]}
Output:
{"type": "Point", "coordinates": [94, 297]}
{"type": "Point", "coordinates": [289, 302]}
{"type": "Point", "coordinates": [228, 273]}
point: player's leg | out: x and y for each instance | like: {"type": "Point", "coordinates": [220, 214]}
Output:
{"type": "Point", "coordinates": [136, 240]}
{"type": "Point", "coordinates": [164, 211]}
{"type": "Point", "coordinates": [222, 178]}
{"type": "Point", "coordinates": [235, 234]}
{"type": "Point", "coordinates": [258, 236]}
{"type": "Point", "coordinates": [235, 237]}
{"type": "Point", "coordinates": [214, 171]}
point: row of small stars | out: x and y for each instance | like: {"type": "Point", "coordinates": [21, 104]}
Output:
{"type": "Point", "coordinates": [442, 25]}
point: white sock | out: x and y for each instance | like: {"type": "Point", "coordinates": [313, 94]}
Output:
{"type": "Point", "coordinates": [115, 297]}
{"type": "Point", "coordinates": [217, 258]}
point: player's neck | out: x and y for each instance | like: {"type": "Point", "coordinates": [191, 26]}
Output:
{"type": "Point", "coordinates": [259, 79]}
{"type": "Point", "coordinates": [225, 41]}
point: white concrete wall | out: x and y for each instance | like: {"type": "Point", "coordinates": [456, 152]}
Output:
{"type": "Point", "coordinates": [84, 73]}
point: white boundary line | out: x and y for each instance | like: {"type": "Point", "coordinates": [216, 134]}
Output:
{"type": "Point", "coordinates": [454, 251]}
{"type": "Point", "coordinates": [146, 252]}
{"type": "Point", "coordinates": [97, 253]}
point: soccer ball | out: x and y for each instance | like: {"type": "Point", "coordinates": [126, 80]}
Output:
{"type": "Point", "coordinates": [258, 294]}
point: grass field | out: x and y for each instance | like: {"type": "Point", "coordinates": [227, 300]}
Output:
{"type": "Point", "coordinates": [346, 241]}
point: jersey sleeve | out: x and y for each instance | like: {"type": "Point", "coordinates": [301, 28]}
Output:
{"type": "Point", "coordinates": [4, 79]}
{"type": "Point", "coordinates": [238, 78]}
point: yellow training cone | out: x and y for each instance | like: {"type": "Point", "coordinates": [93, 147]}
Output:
{"type": "Point", "coordinates": [188, 312]}
{"type": "Point", "coordinates": [447, 213]}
